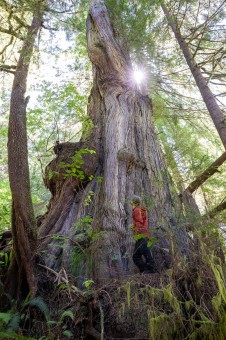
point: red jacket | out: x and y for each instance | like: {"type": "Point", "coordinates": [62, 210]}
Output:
{"type": "Point", "coordinates": [140, 221]}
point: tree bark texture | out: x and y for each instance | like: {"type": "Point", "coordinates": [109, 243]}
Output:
{"type": "Point", "coordinates": [215, 112]}
{"type": "Point", "coordinates": [23, 220]}
{"type": "Point", "coordinates": [128, 158]}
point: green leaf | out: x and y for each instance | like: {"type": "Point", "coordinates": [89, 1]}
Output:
{"type": "Point", "coordinates": [88, 283]}
{"type": "Point", "coordinates": [15, 322]}
{"type": "Point", "coordinates": [51, 322]}
{"type": "Point", "coordinates": [67, 313]}
{"type": "Point", "coordinates": [68, 333]}
{"type": "Point", "coordinates": [151, 241]}
{"type": "Point", "coordinates": [41, 305]}
{"type": "Point", "coordinates": [5, 317]}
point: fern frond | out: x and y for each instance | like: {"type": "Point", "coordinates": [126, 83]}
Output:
{"type": "Point", "coordinates": [41, 305]}
{"type": "Point", "coordinates": [14, 322]}
{"type": "Point", "coordinates": [68, 333]}
{"type": "Point", "coordinates": [67, 313]}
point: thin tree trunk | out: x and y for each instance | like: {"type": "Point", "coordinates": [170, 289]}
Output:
{"type": "Point", "coordinates": [206, 174]}
{"type": "Point", "coordinates": [215, 112]}
{"type": "Point", "coordinates": [23, 220]}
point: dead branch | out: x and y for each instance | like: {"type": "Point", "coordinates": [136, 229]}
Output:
{"type": "Point", "coordinates": [61, 277]}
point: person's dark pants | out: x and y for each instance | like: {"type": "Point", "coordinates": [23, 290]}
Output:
{"type": "Point", "coordinates": [142, 250]}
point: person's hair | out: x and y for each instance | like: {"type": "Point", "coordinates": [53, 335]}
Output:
{"type": "Point", "coordinates": [136, 200]}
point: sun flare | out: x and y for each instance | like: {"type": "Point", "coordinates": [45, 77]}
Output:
{"type": "Point", "coordinates": [138, 76]}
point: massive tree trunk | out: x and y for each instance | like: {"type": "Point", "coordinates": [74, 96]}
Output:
{"type": "Point", "coordinates": [215, 112]}
{"type": "Point", "coordinates": [21, 271]}
{"type": "Point", "coordinates": [128, 159]}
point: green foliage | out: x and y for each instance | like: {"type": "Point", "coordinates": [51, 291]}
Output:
{"type": "Point", "coordinates": [84, 223]}
{"type": "Point", "coordinates": [128, 293]}
{"type": "Point", "coordinates": [152, 241]}
{"type": "Point", "coordinates": [74, 169]}
{"type": "Point", "coordinates": [99, 179]}
{"type": "Point", "coordinates": [67, 314]}
{"type": "Point", "coordinates": [94, 236]}
{"type": "Point", "coordinates": [78, 258]}
{"type": "Point", "coordinates": [5, 317]}
{"type": "Point", "coordinates": [88, 283]}
{"type": "Point", "coordinates": [14, 336]}
{"type": "Point", "coordinates": [39, 303]}
{"type": "Point", "coordinates": [135, 22]}
{"type": "Point", "coordinates": [5, 205]}
{"type": "Point", "coordinates": [4, 259]}
{"type": "Point", "coordinates": [88, 199]}
{"type": "Point", "coordinates": [68, 333]}
{"type": "Point", "coordinates": [9, 323]}
{"type": "Point", "coordinates": [51, 174]}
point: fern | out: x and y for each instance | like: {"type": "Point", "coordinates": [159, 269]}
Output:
{"type": "Point", "coordinates": [14, 322]}
{"type": "Point", "coordinates": [67, 313]}
{"type": "Point", "coordinates": [68, 333]}
{"type": "Point", "coordinates": [41, 305]}
{"type": "Point", "coordinates": [5, 317]}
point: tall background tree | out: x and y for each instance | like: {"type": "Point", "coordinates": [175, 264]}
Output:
{"type": "Point", "coordinates": [24, 232]}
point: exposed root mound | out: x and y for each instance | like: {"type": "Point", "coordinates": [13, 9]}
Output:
{"type": "Point", "coordinates": [153, 306]}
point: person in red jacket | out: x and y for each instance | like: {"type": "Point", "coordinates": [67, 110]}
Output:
{"type": "Point", "coordinates": [141, 255]}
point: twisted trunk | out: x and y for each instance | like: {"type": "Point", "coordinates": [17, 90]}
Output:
{"type": "Point", "coordinates": [128, 159]}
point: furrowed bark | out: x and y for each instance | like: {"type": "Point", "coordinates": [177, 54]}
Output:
{"type": "Point", "coordinates": [215, 112]}
{"type": "Point", "coordinates": [132, 159]}
{"type": "Point", "coordinates": [129, 161]}
{"type": "Point", "coordinates": [21, 269]}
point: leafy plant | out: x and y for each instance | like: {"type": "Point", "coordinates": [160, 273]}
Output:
{"type": "Point", "coordinates": [9, 323]}
{"type": "Point", "coordinates": [84, 224]}
{"type": "Point", "coordinates": [39, 303]}
{"type": "Point", "coordinates": [95, 235]}
{"type": "Point", "coordinates": [68, 333]}
{"type": "Point", "coordinates": [88, 199]}
{"type": "Point", "coordinates": [74, 169]}
{"type": "Point", "coordinates": [88, 283]}
{"type": "Point", "coordinates": [151, 241]}
{"type": "Point", "coordinates": [68, 314]}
